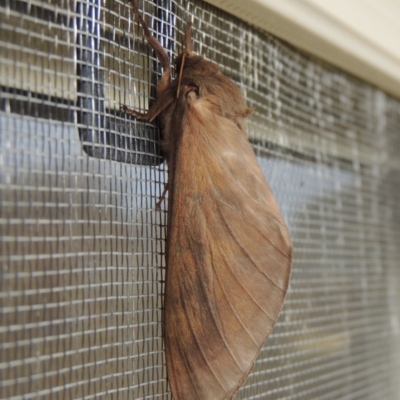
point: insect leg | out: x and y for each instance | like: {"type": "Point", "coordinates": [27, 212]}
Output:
{"type": "Point", "coordinates": [162, 55]}
{"type": "Point", "coordinates": [162, 197]}
{"type": "Point", "coordinates": [163, 58]}
{"type": "Point", "coordinates": [160, 104]}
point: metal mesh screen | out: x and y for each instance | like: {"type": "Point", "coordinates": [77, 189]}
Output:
{"type": "Point", "coordinates": [82, 246]}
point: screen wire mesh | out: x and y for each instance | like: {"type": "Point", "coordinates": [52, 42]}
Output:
{"type": "Point", "coordinates": [82, 247]}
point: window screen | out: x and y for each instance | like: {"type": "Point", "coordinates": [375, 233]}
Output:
{"type": "Point", "coordinates": [82, 246]}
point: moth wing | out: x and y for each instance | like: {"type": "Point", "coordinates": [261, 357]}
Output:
{"type": "Point", "coordinates": [228, 261]}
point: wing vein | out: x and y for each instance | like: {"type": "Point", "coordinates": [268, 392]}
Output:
{"type": "Point", "coordinates": [230, 304]}
{"type": "Point", "coordinates": [256, 226]}
{"type": "Point", "coordinates": [188, 369]}
{"type": "Point", "coordinates": [227, 171]}
{"type": "Point", "coordinates": [252, 261]}
{"type": "Point", "coordinates": [189, 320]}
{"type": "Point", "coordinates": [236, 239]}
{"type": "Point", "coordinates": [214, 318]}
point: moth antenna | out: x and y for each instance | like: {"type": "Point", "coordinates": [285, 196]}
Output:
{"type": "Point", "coordinates": [180, 74]}
{"type": "Point", "coordinates": [188, 51]}
{"type": "Point", "coordinates": [188, 34]}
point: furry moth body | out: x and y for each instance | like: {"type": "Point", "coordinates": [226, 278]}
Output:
{"type": "Point", "coordinates": [228, 248]}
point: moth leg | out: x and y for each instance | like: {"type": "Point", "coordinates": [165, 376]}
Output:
{"type": "Point", "coordinates": [162, 55]}
{"type": "Point", "coordinates": [162, 197]}
{"type": "Point", "coordinates": [163, 58]}
{"type": "Point", "coordinates": [146, 116]}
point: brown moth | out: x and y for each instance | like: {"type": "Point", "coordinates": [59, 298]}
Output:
{"type": "Point", "coordinates": [228, 248]}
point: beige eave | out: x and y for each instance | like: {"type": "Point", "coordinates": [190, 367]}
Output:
{"type": "Point", "coordinates": [359, 36]}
